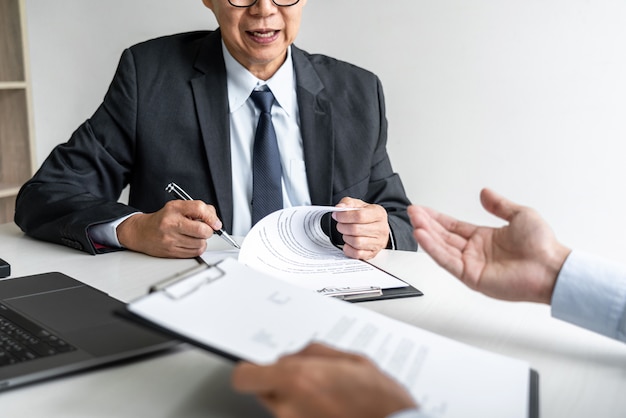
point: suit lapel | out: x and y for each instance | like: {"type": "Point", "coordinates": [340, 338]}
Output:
{"type": "Point", "coordinates": [211, 99]}
{"type": "Point", "coordinates": [316, 128]}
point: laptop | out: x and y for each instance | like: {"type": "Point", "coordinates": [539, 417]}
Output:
{"type": "Point", "coordinates": [52, 324]}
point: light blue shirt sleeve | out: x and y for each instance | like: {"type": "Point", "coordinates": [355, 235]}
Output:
{"type": "Point", "coordinates": [591, 292]}
{"type": "Point", "coordinates": [409, 413]}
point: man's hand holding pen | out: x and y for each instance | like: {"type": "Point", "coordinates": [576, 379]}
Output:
{"type": "Point", "coordinates": [173, 231]}
{"type": "Point", "coordinates": [178, 192]}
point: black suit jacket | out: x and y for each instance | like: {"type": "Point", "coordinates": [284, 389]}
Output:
{"type": "Point", "coordinates": [165, 118]}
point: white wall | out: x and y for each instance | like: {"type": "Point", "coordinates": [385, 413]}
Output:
{"type": "Point", "coordinates": [527, 97]}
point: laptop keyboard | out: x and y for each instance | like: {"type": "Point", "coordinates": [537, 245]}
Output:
{"type": "Point", "coordinates": [22, 340]}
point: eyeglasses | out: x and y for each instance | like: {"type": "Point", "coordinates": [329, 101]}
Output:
{"type": "Point", "coordinates": [250, 3]}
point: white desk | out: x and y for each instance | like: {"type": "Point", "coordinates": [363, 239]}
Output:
{"type": "Point", "coordinates": [581, 374]}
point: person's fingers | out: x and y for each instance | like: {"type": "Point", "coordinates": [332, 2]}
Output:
{"type": "Point", "coordinates": [350, 202]}
{"type": "Point", "coordinates": [192, 230]}
{"type": "Point", "coordinates": [252, 378]}
{"type": "Point", "coordinates": [191, 245]}
{"type": "Point", "coordinates": [447, 256]}
{"type": "Point", "coordinates": [359, 254]}
{"type": "Point", "coordinates": [248, 377]}
{"type": "Point", "coordinates": [199, 211]}
{"type": "Point", "coordinates": [365, 215]}
{"type": "Point", "coordinates": [452, 225]}
{"type": "Point", "coordinates": [365, 231]}
{"type": "Point", "coordinates": [323, 350]}
{"type": "Point", "coordinates": [498, 205]}
{"type": "Point", "coordinates": [441, 228]}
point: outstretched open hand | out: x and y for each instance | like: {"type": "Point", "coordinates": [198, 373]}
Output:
{"type": "Point", "coordinates": [519, 261]}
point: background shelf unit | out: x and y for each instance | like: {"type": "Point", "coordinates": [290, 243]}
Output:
{"type": "Point", "coordinates": [16, 123]}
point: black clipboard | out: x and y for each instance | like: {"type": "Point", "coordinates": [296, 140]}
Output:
{"type": "Point", "coordinates": [360, 294]}
{"type": "Point", "coordinates": [393, 292]}
{"type": "Point", "coordinates": [533, 395]}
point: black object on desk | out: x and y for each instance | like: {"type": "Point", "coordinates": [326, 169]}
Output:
{"type": "Point", "coordinates": [5, 269]}
{"type": "Point", "coordinates": [53, 324]}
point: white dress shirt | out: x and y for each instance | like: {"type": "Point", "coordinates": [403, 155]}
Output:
{"type": "Point", "coordinates": [244, 116]}
{"type": "Point", "coordinates": [591, 292]}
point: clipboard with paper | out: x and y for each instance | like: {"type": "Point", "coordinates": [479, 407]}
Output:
{"type": "Point", "coordinates": [242, 314]}
{"type": "Point", "coordinates": [290, 244]}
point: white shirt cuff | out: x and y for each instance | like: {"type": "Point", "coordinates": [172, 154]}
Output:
{"type": "Point", "coordinates": [106, 233]}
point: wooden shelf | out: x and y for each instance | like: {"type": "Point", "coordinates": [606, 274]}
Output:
{"type": "Point", "coordinates": [16, 139]}
{"type": "Point", "coordinates": [13, 85]}
{"type": "Point", "coordinates": [11, 41]}
{"type": "Point", "coordinates": [9, 191]}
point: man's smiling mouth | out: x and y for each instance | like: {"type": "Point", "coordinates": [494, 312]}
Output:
{"type": "Point", "coordinates": [264, 34]}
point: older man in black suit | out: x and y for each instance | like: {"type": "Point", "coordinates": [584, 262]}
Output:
{"type": "Point", "coordinates": [179, 109]}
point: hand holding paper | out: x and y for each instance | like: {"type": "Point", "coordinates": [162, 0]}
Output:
{"type": "Point", "coordinates": [290, 244]}
{"type": "Point", "coordinates": [339, 384]}
{"type": "Point", "coordinates": [365, 231]}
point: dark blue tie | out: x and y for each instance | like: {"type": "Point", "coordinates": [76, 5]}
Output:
{"type": "Point", "coordinates": [267, 191]}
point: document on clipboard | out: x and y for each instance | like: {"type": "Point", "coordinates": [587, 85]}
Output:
{"type": "Point", "coordinates": [290, 244]}
{"type": "Point", "coordinates": [243, 314]}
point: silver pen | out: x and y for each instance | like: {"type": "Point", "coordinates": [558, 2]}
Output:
{"type": "Point", "coordinates": [179, 193]}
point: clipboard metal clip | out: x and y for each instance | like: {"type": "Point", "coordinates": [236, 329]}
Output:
{"type": "Point", "coordinates": [186, 283]}
{"type": "Point", "coordinates": [351, 293]}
